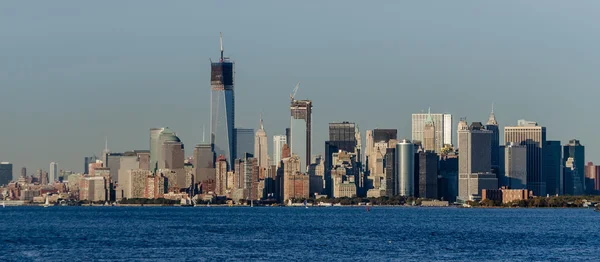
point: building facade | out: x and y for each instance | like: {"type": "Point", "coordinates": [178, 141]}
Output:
{"type": "Point", "coordinates": [222, 109]}
{"type": "Point", "coordinates": [300, 140]}
{"type": "Point", "coordinates": [405, 168]}
{"type": "Point", "coordinates": [533, 136]}
{"type": "Point", "coordinates": [244, 141]}
{"type": "Point", "coordinates": [278, 142]}
{"type": "Point", "coordinates": [443, 128]}
{"type": "Point", "coordinates": [6, 173]}
{"type": "Point", "coordinates": [261, 147]}
{"type": "Point", "coordinates": [515, 171]}
{"type": "Point", "coordinates": [553, 168]}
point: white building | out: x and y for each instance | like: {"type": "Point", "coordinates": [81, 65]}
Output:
{"type": "Point", "coordinates": [443, 128]}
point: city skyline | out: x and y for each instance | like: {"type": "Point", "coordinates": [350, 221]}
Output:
{"type": "Point", "coordinates": [37, 142]}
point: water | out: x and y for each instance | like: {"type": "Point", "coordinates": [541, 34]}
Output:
{"type": "Point", "coordinates": [284, 234]}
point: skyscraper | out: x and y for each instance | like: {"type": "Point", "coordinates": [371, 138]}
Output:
{"type": "Point", "coordinates": [23, 172]}
{"type": "Point", "coordinates": [515, 170]}
{"type": "Point", "coordinates": [553, 168]}
{"type": "Point", "coordinates": [428, 175]}
{"type": "Point", "coordinates": [301, 131]}
{"type": "Point", "coordinates": [406, 168]}
{"type": "Point", "coordinates": [429, 143]}
{"type": "Point", "coordinates": [222, 107]}
{"type": "Point", "coordinates": [87, 161]}
{"type": "Point", "coordinates": [474, 160]}
{"type": "Point", "coordinates": [443, 128]}
{"type": "Point", "coordinates": [492, 125]}
{"type": "Point", "coordinates": [244, 142]}
{"type": "Point", "coordinates": [6, 173]}
{"type": "Point", "coordinates": [278, 142]}
{"type": "Point", "coordinates": [534, 137]}
{"type": "Point", "coordinates": [53, 175]}
{"type": "Point", "coordinates": [261, 147]}
{"type": "Point", "coordinates": [154, 147]}
{"type": "Point", "coordinates": [343, 135]}
{"type": "Point", "coordinates": [572, 179]}
{"type": "Point", "coordinates": [592, 179]}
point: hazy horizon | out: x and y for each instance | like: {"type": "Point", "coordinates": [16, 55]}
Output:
{"type": "Point", "coordinates": [76, 72]}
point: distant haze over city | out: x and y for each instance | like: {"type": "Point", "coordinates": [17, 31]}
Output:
{"type": "Point", "coordinates": [73, 73]}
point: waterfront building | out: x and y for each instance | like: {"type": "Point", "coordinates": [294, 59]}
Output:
{"type": "Point", "coordinates": [553, 168]}
{"type": "Point", "coordinates": [427, 184]}
{"type": "Point", "coordinates": [448, 179]}
{"type": "Point", "coordinates": [533, 136]}
{"type": "Point", "coordinates": [222, 111]}
{"type": "Point", "coordinates": [592, 179]}
{"type": "Point", "coordinates": [442, 124]}
{"type": "Point", "coordinates": [573, 181]}
{"type": "Point", "coordinates": [300, 137]}
{"type": "Point", "coordinates": [278, 142]}
{"type": "Point", "coordinates": [505, 195]}
{"type": "Point", "coordinates": [6, 173]}
{"type": "Point", "coordinates": [405, 168]}
{"type": "Point", "coordinates": [261, 147]}
{"type": "Point", "coordinates": [474, 161]}
{"type": "Point", "coordinates": [515, 174]}
{"type": "Point", "coordinates": [93, 188]}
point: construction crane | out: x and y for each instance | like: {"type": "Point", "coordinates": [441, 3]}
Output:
{"type": "Point", "coordinates": [293, 94]}
{"type": "Point", "coordinates": [221, 42]}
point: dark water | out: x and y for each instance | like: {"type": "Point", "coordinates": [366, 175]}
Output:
{"type": "Point", "coordinates": [284, 234]}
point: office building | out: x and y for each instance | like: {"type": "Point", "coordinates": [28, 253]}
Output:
{"type": "Point", "coordinates": [204, 166]}
{"type": "Point", "coordinates": [533, 136]}
{"type": "Point", "coordinates": [173, 155]}
{"type": "Point", "coordinates": [573, 180]}
{"type": "Point", "coordinates": [244, 139]}
{"type": "Point", "coordinates": [492, 125]}
{"type": "Point", "coordinates": [296, 185]}
{"type": "Point", "coordinates": [113, 162]}
{"type": "Point", "coordinates": [6, 173]}
{"type": "Point", "coordinates": [221, 183]}
{"type": "Point", "coordinates": [426, 186]}
{"type": "Point", "coordinates": [592, 179]}
{"type": "Point", "coordinates": [23, 172]}
{"type": "Point", "coordinates": [222, 110]}
{"type": "Point", "coordinates": [261, 147]}
{"type": "Point", "coordinates": [278, 142]}
{"type": "Point", "coordinates": [448, 179]}
{"type": "Point", "coordinates": [300, 139]}
{"type": "Point", "coordinates": [87, 161]}
{"type": "Point", "coordinates": [443, 128]}
{"type": "Point", "coordinates": [553, 168]}
{"type": "Point", "coordinates": [515, 171]}
{"type": "Point", "coordinates": [53, 173]}
{"type": "Point", "coordinates": [343, 135]}
{"type": "Point", "coordinates": [405, 168]}
{"type": "Point", "coordinates": [474, 161]}
{"type": "Point", "coordinates": [429, 142]}
{"type": "Point", "coordinates": [574, 150]}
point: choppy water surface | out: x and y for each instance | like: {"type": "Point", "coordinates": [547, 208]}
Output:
{"type": "Point", "coordinates": [317, 234]}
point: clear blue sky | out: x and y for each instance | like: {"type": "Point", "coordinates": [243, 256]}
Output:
{"type": "Point", "coordinates": [73, 72]}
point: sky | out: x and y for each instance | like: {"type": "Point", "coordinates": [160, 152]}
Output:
{"type": "Point", "coordinates": [75, 72]}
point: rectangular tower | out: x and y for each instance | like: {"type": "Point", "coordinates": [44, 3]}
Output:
{"type": "Point", "coordinates": [528, 133]}
{"type": "Point", "coordinates": [244, 142]}
{"type": "Point", "coordinates": [300, 141]}
{"type": "Point", "coordinates": [343, 135]}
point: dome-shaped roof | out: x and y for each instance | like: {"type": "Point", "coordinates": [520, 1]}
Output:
{"type": "Point", "coordinates": [168, 135]}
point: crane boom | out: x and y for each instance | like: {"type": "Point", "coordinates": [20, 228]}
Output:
{"type": "Point", "coordinates": [293, 94]}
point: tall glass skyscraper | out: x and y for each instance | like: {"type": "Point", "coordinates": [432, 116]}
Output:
{"type": "Point", "coordinates": [222, 107]}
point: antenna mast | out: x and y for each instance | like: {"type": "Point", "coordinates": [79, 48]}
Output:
{"type": "Point", "coordinates": [221, 41]}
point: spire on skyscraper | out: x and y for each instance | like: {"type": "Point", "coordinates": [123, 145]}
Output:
{"type": "Point", "coordinates": [429, 119]}
{"type": "Point", "coordinates": [261, 122]}
{"type": "Point", "coordinates": [492, 119]}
